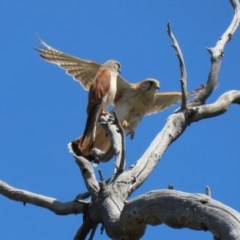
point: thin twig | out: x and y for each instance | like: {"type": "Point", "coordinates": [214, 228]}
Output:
{"type": "Point", "coordinates": [216, 57]}
{"type": "Point", "coordinates": [219, 107]}
{"type": "Point", "coordinates": [120, 158]}
{"type": "Point", "coordinates": [183, 80]}
{"type": "Point", "coordinates": [87, 226]}
{"type": "Point", "coordinates": [88, 176]}
{"type": "Point", "coordinates": [93, 231]}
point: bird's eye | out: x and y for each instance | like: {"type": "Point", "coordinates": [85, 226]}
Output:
{"type": "Point", "coordinates": [146, 86]}
{"type": "Point", "coordinates": [118, 66]}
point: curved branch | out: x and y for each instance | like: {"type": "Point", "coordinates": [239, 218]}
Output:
{"type": "Point", "coordinates": [174, 208]}
{"type": "Point", "coordinates": [114, 129]}
{"type": "Point", "coordinates": [60, 208]}
{"type": "Point", "coordinates": [219, 107]}
{"type": "Point", "coordinates": [182, 67]}
{"type": "Point", "coordinates": [177, 123]}
{"type": "Point", "coordinates": [137, 174]}
{"type": "Point", "coordinates": [216, 56]}
{"type": "Point", "coordinates": [174, 127]}
{"type": "Point", "coordinates": [180, 210]}
{"type": "Point", "coordinates": [88, 176]}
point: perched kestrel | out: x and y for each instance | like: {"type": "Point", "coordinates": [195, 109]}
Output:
{"type": "Point", "coordinates": [101, 94]}
{"type": "Point", "coordinates": [131, 103]}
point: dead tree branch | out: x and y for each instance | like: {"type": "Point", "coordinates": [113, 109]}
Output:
{"type": "Point", "coordinates": [183, 80]}
{"type": "Point", "coordinates": [219, 107]}
{"type": "Point", "coordinates": [128, 220]}
{"type": "Point", "coordinates": [177, 123]}
{"type": "Point", "coordinates": [216, 56]}
{"type": "Point", "coordinates": [52, 204]}
{"type": "Point", "coordinates": [117, 136]}
{"type": "Point", "coordinates": [180, 210]}
{"type": "Point", "coordinates": [88, 176]}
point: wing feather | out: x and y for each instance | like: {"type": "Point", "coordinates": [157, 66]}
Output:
{"type": "Point", "coordinates": [83, 71]}
{"type": "Point", "coordinates": [164, 100]}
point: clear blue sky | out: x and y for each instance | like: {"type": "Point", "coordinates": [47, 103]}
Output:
{"type": "Point", "coordinates": [42, 108]}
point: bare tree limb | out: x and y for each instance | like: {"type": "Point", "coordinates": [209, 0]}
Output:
{"type": "Point", "coordinates": [219, 107]}
{"type": "Point", "coordinates": [128, 220]}
{"type": "Point", "coordinates": [183, 80]}
{"type": "Point", "coordinates": [120, 156]}
{"type": "Point", "coordinates": [88, 176]}
{"type": "Point", "coordinates": [52, 204]}
{"type": "Point", "coordinates": [174, 127]}
{"type": "Point", "coordinates": [87, 227]}
{"type": "Point", "coordinates": [216, 56]}
{"type": "Point", "coordinates": [177, 123]}
{"type": "Point", "coordinates": [116, 134]}
{"type": "Point", "coordinates": [180, 210]}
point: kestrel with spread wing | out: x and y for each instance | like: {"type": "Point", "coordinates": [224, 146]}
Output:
{"type": "Point", "coordinates": [131, 103]}
{"type": "Point", "coordinates": [101, 94]}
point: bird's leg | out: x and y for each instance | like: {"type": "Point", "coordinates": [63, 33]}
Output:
{"type": "Point", "coordinates": [104, 113]}
{"type": "Point", "coordinates": [130, 131]}
{"type": "Point", "coordinates": [125, 124]}
{"type": "Point", "coordinates": [107, 118]}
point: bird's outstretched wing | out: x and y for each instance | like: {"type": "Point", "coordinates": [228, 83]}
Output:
{"type": "Point", "coordinates": [164, 100]}
{"type": "Point", "coordinates": [83, 71]}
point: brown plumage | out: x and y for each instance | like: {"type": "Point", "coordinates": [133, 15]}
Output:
{"type": "Point", "coordinates": [131, 103]}
{"type": "Point", "coordinates": [101, 95]}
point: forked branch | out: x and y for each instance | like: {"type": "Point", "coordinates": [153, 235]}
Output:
{"type": "Point", "coordinates": [128, 220]}
{"type": "Point", "coordinates": [177, 123]}
{"type": "Point", "coordinates": [216, 56]}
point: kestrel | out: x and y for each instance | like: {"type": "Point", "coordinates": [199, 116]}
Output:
{"type": "Point", "coordinates": [101, 94]}
{"type": "Point", "coordinates": [131, 103]}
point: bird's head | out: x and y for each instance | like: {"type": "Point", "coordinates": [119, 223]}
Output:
{"type": "Point", "coordinates": [149, 84]}
{"type": "Point", "coordinates": [113, 65]}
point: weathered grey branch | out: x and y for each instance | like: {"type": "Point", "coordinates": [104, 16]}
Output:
{"type": "Point", "coordinates": [177, 123]}
{"type": "Point", "coordinates": [116, 134]}
{"type": "Point", "coordinates": [216, 56]}
{"type": "Point", "coordinates": [219, 107]}
{"type": "Point", "coordinates": [174, 127]}
{"type": "Point", "coordinates": [52, 204]}
{"type": "Point", "coordinates": [87, 227]}
{"type": "Point", "coordinates": [180, 210]}
{"type": "Point", "coordinates": [88, 176]}
{"type": "Point", "coordinates": [120, 156]}
{"type": "Point", "coordinates": [128, 220]}
{"type": "Point", "coordinates": [183, 71]}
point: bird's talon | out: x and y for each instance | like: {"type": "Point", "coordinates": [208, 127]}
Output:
{"type": "Point", "coordinates": [131, 134]}
{"type": "Point", "coordinates": [125, 124]}
{"type": "Point", "coordinates": [111, 119]}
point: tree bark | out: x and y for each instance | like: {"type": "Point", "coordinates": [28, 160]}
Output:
{"type": "Point", "coordinates": [127, 220]}
{"type": "Point", "coordinates": [179, 210]}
